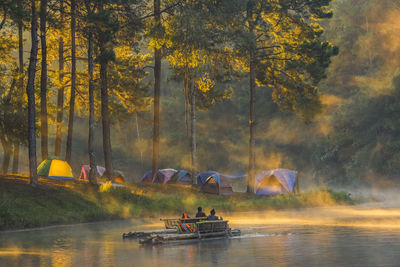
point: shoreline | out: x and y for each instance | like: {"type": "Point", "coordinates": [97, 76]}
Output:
{"type": "Point", "coordinates": [57, 203]}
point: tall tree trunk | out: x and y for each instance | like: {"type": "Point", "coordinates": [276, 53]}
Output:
{"type": "Point", "coordinates": [157, 85]}
{"type": "Point", "coordinates": [20, 86]}
{"type": "Point", "coordinates": [193, 144]}
{"type": "Point", "coordinates": [43, 82]}
{"type": "Point", "coordinates": [73, 83]}
{"type": "Point", "coordinates": [186, 93]}
{"type": "Point", "coordinates": [138, 136]}
{"type": "Point", "coordinates": [7, 148]}
{"type": "Point", "coordinates": [92, 156]}
{"type": "Point", "coordinates": [15, 157]}
{"type": "Point", "coordinates": [251, 167]}
{"type": "Point", "coordinates": [106, 121]}
{"type": "Point", "coordinates": [60, 93]}
{"type": "Point", "coordinates": [30, 91]}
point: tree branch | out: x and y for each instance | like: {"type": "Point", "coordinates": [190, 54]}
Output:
{"type": "Point", "coordinates": [4, 18]}
{"type": "Point", "coordinates": [162, 11]}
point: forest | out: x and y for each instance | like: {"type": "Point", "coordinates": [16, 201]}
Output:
{"type": "Point", "coordinates": [225, 85]}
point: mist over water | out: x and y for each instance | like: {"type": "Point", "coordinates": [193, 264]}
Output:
{"type": "Point", "coordinates": [366, 235]}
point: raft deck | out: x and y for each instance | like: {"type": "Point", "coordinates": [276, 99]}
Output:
{"type": "Point", "coordinates": [172, 223]}
{"type": "Point", "coordinates": [204, 229]}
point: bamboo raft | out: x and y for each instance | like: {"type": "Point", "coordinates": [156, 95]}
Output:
{"type": "Point", "coordinates": [201, 229]}
{"type": "Point", "coordinates": [173, 223]}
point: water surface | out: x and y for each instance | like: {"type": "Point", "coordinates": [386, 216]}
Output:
{"type": "Point", "coordinates": [311, 237]}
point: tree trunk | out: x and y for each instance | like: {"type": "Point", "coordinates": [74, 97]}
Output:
{"type": "Point", "coordinates": [92, 158]}
{"type": "Point", "coordinates": [7, 148]}
{"type": "Point", "coordinates": [73, 84]}
{"type": "Point", "coordinates": [106, 121]}
{"type": "Point", "coordinates": [15, 157]}
{"type": "Point", "coordinates": [186, 93]}
{"type": "Point", "coordinates": [139, 140]}
{"type": "Point", "coordinates": [20, 86]}
{"type": "Point", "coordinates": [157, 85]}
{"type": "Point", "coordinates": [60, 93]}
{"type": "Point", "coordinates": [43, 82]}
{"type": "Point", "coordinates": [193, 146]}
{"type": "Point", "coordinates": [251, 167]}
{"type": "Point", "coordinates": [30, 91]}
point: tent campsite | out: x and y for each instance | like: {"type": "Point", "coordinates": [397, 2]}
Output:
{"type": "Point", "coordinates": [118, 176]}
{"type": "Point", "coordinates": [168, 176]}
{"type": "Point", "coordinates": [275, 182]}
{"type": "Point", "coordinates": [85, 169]}
{"type": "Point", "coordinates": [55, 169]}
{"type": "Point", "coordinates": [181, 177]}
{"type": "Point", "coordinates": [214, 183]}
{"type": "Point", "coordinates": [162, 176]}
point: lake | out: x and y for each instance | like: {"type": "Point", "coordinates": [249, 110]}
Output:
{"type": "Point", "coordinates": [339, 236]}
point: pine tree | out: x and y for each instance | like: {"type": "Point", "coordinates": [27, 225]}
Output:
{"type": "Point", "coordinates": [60, 91]}
{"type": "Point", "coordinates": [157, 86]}
{"type": "Point", "coordinates": [195, 46]}
{"type": "Point", "coordinates": [279, 45]}
{"type": "Point", "coordinates": [68, 150]}
{"type": "Point", "coordinates": [30, 91]}
{"type": "Point", "coordinates": [43, 81]}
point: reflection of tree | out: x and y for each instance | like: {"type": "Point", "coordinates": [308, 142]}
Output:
{"type": "Point", "coordinates": [109, 251]}
{"type": "Point", "coordinates": [61, 257]}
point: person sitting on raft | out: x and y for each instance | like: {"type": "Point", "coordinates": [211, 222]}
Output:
{"type": "Point", "coordinates": [212, 216]}
{"type": "Point", "coordinates": [200, 212]}
{"type": "Point", "coordinates": [185, 216]}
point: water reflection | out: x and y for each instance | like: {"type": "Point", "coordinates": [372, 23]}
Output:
{"type": "Point", "coordinates": [100, 244]}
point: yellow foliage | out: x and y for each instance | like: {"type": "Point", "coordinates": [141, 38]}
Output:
{"type": "Point", "coordinates": [205, 84]}
{"type": "Point", "coordinates": [190, 58]}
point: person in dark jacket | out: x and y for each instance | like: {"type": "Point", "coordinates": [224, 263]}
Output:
{"type": "Point", "coordinates": [212, 216]}
{"type": "Point", "coordinates": [200, 213]}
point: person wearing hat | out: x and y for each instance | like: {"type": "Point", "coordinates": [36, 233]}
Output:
{"type": "Point", "coordinates": [212, 216]}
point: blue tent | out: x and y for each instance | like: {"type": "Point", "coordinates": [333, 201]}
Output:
{"type": "Point", "coordinates": [212, 182]}
{"type": "Point", "coordinates": [146, 177]}
{"type": "Point", "coordinates": [275, 182]}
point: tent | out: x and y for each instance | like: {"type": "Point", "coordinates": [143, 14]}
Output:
{"type": "Point", "coordinates": [237, 180]}
{"type": "Point", "coordinates": [85, 169]}
{"type": "Point", "coordinates": [162, 176]}
{"type": "Point", "coordinates": [213, 183]}
{"type": "Point", "coordinates": [56, 169]}
{"type": "Point", "coordinates": [181, 177]}
{"type": "Point", "coordinates": [146, 177]}
{"type": "Point", "coordinates": [274, 182]}
{"type": "Point", "coordinates": [118, 176]}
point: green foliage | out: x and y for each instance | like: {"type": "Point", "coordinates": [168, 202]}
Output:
{"type": "Point", "coordinates": [284, 41]}
{"type": "Point", "coordinates": [367, 145]}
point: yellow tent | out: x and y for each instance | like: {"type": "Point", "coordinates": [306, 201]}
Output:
{"type": "Point", "coordinates": [54, 168]}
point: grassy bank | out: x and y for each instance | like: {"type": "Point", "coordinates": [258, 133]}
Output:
{"type": "Point", "coordinates": [22, 206]}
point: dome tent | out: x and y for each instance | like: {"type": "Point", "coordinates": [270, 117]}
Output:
{"type": "Point", "coordinates": [214, 183]}
{"type": "Point", "coordinates": [118, 177]}
{"type": "Point", "coordinates": [275, 182]}
{"type": "Point", "coordinates": [168, 176]}
{"type": "Point", "coordinates": [85, 169]}
{"type": "Point", "coordinates": [146, 177]}
{"type": "Point", "coordinates": [181, 177]}
{"type": "Point", "coordinates": [162, 176]}
{"type": "Point", "coordinates": [55, 169]}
